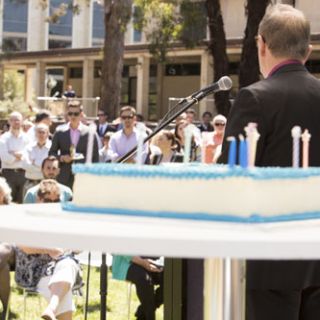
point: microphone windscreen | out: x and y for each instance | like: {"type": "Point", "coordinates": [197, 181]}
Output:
{"type": "Point", "coordinates": [225, 83]}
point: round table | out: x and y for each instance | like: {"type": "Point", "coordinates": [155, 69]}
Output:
{"type": "Point", "coordinates": [47, 225]}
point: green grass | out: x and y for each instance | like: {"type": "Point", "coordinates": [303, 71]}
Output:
{"type": "Point", "coordinates": [117, 301]}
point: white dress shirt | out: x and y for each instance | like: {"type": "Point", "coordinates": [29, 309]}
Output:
{"type": "Point", "coordinates": [10, 143]}
{"type": "Point", "coordinates": [33, 160]}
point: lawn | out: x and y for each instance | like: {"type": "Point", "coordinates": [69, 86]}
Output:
{"type": "Point", "coordinates": [117, 301]}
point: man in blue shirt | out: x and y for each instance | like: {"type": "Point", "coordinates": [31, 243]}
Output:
{"type": "Point", "coordinates": [50, 170]}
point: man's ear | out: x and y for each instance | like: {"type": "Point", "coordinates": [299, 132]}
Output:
{"type": "Point", "coordinates": [262, 47]}
{"type": "Point", "coordinates": [308, 54]}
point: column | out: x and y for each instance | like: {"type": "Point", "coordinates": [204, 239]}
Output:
{"type": "Point", "coordinates": [82, 25]}
{"type": "Point", "coordinates": [40, 79]}
{"type": "Point", "coordinates": [162, 108]}
{"type": "Point", "coordinates": [38, 29]}
{"type": "Point", "coordinates": [28, 84]}
{"type": "Point", "coordinates": [143, 68]}
{"type": "Point", "coordinates": [206, 77]}
{"type": "Point", "coordinates": [87, 87]}
{"type": "Point", "coordinates": [213, 289]}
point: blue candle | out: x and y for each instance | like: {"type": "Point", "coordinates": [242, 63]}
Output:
{"type": "Point", "coordinates": [232, 151]}
{"type": "Point", "coordinates": [243, 152]}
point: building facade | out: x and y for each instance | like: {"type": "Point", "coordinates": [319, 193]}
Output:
{"type": "Point", "coordinates": [52, 55]}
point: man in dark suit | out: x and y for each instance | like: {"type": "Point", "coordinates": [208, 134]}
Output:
{"type": "Point", "coordinates": [103, 126]}
{"type": "Point", "coordinates": [69, 144]}
{"type": "Point", "coordinates": [288, 96]}
{"type": "Point", "coordinates": [205, 125]}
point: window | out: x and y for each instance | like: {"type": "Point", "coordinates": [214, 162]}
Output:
{"type": "Point", "coordinates": [137, 34]}
{"type": "Point", "coordinates": [63, 27]}
{"type": "Point", "coordinates": [190, 69]}
{"type": "Point", "coordinates": [15, 16]}
{"type": "Point", "coordinates": [10, 44]}
{"type": "Point", "coordinates": [75, 73]}
{"type": "Point", "coordinates": [98, 29]}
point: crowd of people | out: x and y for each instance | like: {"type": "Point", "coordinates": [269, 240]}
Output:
{"type": "Point", "coordinates": [288, 96]}
{"type": "Point", "coordinates": [36, 167]}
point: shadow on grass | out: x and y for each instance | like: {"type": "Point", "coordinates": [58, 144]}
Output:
{"type": "Point", "coordinates": [93, 307]}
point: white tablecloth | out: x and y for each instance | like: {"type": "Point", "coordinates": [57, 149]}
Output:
{"type": "Point", "coordinates": [47, 225]}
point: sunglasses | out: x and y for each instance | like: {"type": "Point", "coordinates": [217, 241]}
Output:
{"type": "Point", "coordinates": [126, 117]}
{"type": "Point", "coordinates": [76, 114]}
{"type": "Point", "coordinates": [220, 124]}
{"type": "Point", "coordinates": [101, 115]}
{"type": "Point", "coordinates": [51, 200]}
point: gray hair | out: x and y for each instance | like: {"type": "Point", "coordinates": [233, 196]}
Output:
{"type": "Point", "coordinates": [16, 114]}
{"type": "Point", "coordinates": [4, 187]}
{"type": "Point", "coordinates": [286, 31]}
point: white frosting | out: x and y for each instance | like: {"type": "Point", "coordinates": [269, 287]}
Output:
{"type": "Point", "coordinates": [240, 196]}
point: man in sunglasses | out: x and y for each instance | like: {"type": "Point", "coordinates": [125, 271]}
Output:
{"type": "Point", "coordinates": [127, 138]}
{"type": "Point", "coordinates": [103, 126]}
{"type": "Point", "coordinates": [69, 143]}
{"type": "Point", "coordinates": [288, 96]}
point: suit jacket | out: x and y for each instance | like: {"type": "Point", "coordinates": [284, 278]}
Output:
{"type": "Point", "coordinates": [290, 97]}
{"type": "Point", "coordinates": [204, 128]}
{"type": "Point", "coordinates": [109, 128]}
{"type": "Point", "coordinates": [61, 144]}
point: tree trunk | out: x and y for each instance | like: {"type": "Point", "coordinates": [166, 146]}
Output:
{"type": "Point", "coordinates": [249, 65]}
{"type": "Point", "coordinates": [117, 16]}
{"type": "Point", "coordinates": [218, 49]}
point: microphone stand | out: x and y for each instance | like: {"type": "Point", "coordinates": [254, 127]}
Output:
{"type": "Point", "coordinates": [167, 119]}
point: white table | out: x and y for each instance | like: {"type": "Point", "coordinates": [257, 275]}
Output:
{"type": "Point", "coordinates": [46, 225]}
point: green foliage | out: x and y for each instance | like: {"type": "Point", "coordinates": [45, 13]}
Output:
{"type": "Point", "coordinates": [193, 22]}
{"type": "Point", "coordinates": [8, 106]}
{"type": "Point", "coordinates": [13, 85]}
{"type": "Point", "coordinates": [165, 22]}
{"type": "Point", "coordinates": [13, 88]}
{"type": "Point", "coordinates": [161, 23]}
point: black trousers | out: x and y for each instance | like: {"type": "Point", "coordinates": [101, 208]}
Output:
{"type": "Point", "coordinates": [283, 305]}
{"type": "Point", "coordinates": [16, 180]}
{"type": "Point", "coordinates": [150, 299]}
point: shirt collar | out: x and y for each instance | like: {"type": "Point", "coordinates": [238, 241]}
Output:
{"type": "Point", "coordinates": [282, 64]}
{"type": "Point", "coordinates": [80, 127]}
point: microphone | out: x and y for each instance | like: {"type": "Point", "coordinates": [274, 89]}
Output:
{"type": "Point", "coordinates": [223, 84]}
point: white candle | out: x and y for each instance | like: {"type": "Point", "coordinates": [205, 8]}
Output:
{"type": "Point", "coordinates": [305, 137]}
{"type": "Point", "coordinates": [91, 136]}
{"type": "Point", "coordinates": [140, 136]}
{"type": "Point", "coordinates": [252, 140]}
{"type": "Point", "coordinates": [187, 143]}
{"type": "Point", "coordinates": [204, 144]}
{"type": "Point", "coordinates": [296, 134]}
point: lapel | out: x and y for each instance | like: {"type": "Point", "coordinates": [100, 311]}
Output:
{"type": "Point", "coordinates": [83, 139]}
{"type": "Point", "coordinates": [68, 138]}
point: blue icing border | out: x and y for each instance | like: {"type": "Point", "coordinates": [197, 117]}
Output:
{"type": "Point", "coordinates": [193, 171]}
{"type": "Point", "coordinates": [200, 216]}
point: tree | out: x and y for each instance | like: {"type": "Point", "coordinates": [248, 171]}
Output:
{"type": "Point", "coordinates": [249, 66]}
{"type": "Point", "coordinates": [218, 49]}
{"type": "Point", "coordinates": [117, 16]}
